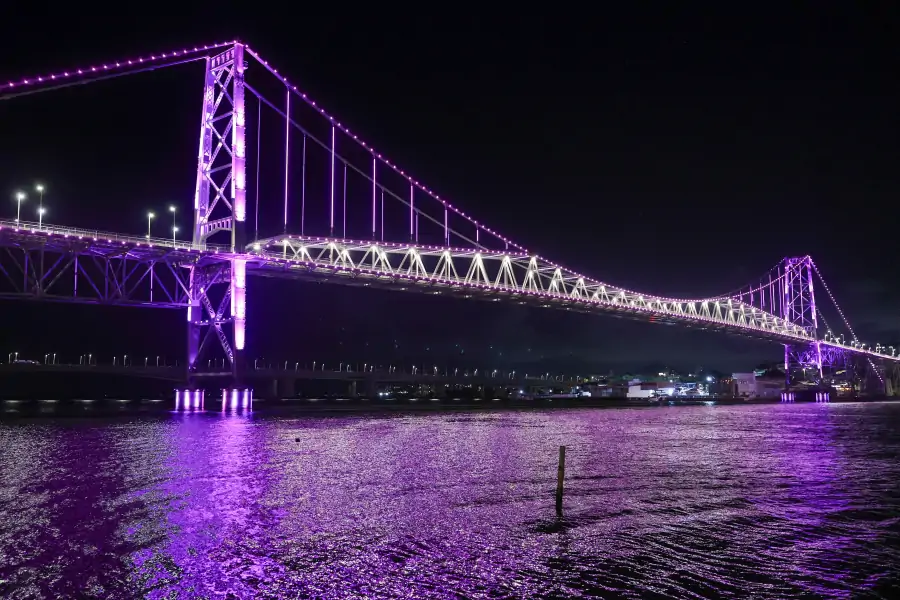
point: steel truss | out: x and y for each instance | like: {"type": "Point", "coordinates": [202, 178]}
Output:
{"type": "Point", "coordinates": [220, 195]}
{"type": "Point", "coordinates": [41, 266]}
{"type": "Point", "coordinates": [210, 315]}
{"type": "Point", "coordinates": [220, 206]}
{"type": "Point", "coordinates": [799, 308]}
{"type": "Point", "coordinates": [818, 358]}
{"type": "Point", "coordinates": [494, 275]}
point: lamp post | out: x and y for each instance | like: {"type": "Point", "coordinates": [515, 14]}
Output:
{"type": "Point", "coordinates": [41, 212]}
{"type": "Point", "coordinates": [20, 196]}
{"type": "Point", "coordinates": [174, 227]}
{"type": "Point", "coordinates": [150, 216]}
{"type": "Point", "coordinates": [39, 188]}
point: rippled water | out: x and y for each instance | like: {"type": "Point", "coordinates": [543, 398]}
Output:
{"type": "Point", "coordinates": [692, 502]}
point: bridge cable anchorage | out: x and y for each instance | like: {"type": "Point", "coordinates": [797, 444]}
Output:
{"type": "Point", "coordinates": [335, 123]}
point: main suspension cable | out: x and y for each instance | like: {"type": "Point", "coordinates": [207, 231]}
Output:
{"type": "Point", "coordinates": [39, 90]}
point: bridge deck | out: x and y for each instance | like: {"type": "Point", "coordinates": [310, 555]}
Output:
{"type": "Point", "coordinates": [47, 262]}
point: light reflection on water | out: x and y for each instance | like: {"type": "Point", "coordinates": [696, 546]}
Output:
{"type": "Point", "coordinates": [730, 501]}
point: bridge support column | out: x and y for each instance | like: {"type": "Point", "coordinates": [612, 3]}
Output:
{"type": "Point", "coordinates": [286, 387]}
{"type": "Point", "coordinates": [279, 388]}
{"type": "Point", "coordinates": [220, 207]}
{"type": "Point", "coordinates": [210, 299]}
{"type": "Point", "coordinates": [194, 329]}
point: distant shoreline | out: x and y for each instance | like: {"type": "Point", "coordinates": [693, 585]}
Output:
{"type": "Point", "coordinates": [84, 408]}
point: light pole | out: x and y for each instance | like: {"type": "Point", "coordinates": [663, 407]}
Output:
{"type": "Point", "coordinates": [174, 231]}
{"type": "Point", "coordinates": [20, 196]}
{"type": "Point", "coordinates": [150, 215]}
{"type": "Point", "coordinates": [174, 227]}
{"type": "Point", "coordinates": [41, 212]}
{"type": "Point", "coordinates": [40, 190]}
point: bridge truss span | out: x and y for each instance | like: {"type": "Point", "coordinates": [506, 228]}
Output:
{"type": "Point", "coordinates": [499, 275]}
{"type": "Point", "coordinates": [95, 268]}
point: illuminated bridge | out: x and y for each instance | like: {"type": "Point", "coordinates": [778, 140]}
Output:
{"type": "Point", "coordinates": [411, 239]}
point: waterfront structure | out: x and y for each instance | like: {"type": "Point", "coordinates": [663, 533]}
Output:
{"type": "Point", "coordinates": [440, 249]}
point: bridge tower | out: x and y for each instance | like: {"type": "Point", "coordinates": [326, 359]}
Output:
{"type": "Point", "coordinates": [798, 304]}
{"type": "Point", "coordinates": [218, 289]}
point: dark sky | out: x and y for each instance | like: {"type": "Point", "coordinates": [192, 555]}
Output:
{"type": "Point", "coordinates": [680, 153]}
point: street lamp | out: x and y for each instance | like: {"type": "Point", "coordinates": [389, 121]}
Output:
{"type": "Point", "coordinates": [40, 190]}
{"type": "Point", "coordinates": [150, 215]}
{"type": "Point", "coordinates": [20, 196]}
{"type": "Point", "coordinates": [41, 212]}
{"type": "Point", "coordinates": [174, 228]}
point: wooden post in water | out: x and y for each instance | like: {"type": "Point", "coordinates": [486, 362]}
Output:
{"type": "Point", "coordinates": [560, 476]}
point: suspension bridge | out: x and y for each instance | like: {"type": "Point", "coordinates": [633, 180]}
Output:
{"type": "Point", "coordinates": [351, 216]}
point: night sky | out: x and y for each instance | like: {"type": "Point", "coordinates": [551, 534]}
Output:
{"type": "Point", "coordinates": [676, 153]}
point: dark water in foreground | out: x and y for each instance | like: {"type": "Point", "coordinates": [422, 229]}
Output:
{"type": "Point", "coordinates": [767, 501]}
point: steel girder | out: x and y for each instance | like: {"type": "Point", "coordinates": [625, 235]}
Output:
{"type": "Point", "coordinates": [42, 266]}
{"type": "Point", "coordinates": [210, 320]}
{"type": "Point", "coordinates": [495, 275]}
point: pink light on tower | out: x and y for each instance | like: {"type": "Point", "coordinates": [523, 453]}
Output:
{"type": "Point", "coordinates": [238, 163]}
{"type": "Point", "coordinates": [238, 300]}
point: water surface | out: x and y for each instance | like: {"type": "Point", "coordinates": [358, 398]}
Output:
{"type": "Point", "coordinates": [766, 501]}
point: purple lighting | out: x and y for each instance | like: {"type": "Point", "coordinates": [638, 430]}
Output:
{"type": "Point", "coordinates": [332, 180]}
{"type": "Point", "coordinates": [287, 153]}
{"type": "Point", "coordinates": [79, 73]}
{"type": "Point", "coordinates": [189, 400]}
{"type": "Point", "coordinates": [238, 300]}
{"type": "Point", "coordinates": [374, 188]}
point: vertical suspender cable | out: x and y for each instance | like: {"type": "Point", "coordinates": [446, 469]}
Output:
{"type": "Point", "coordinates": [287, 149]}
{"type": "Point", "coordinates": [258, 137]}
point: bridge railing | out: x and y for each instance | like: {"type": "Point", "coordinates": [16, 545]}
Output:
{"type": "Point", "coordinates": [108, 236]}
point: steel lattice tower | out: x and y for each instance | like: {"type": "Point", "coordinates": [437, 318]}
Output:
{"type": "Point", "coordinates": [799, 308]}
{"type": "Point", "coordinates": [220, 206]}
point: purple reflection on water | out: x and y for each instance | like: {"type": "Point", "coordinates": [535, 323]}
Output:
{"type": "Point", "coordinates": [763, 501]}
